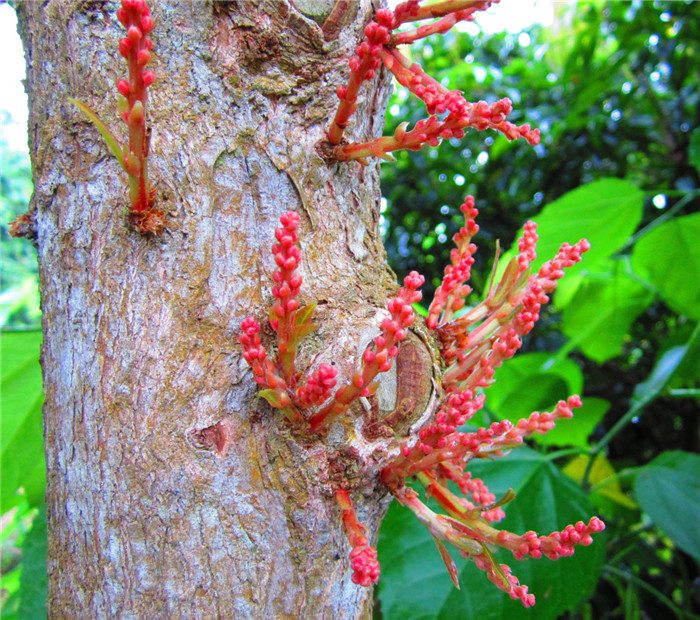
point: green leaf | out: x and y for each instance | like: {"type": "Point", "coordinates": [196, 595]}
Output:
{"type": "Point", "coordinates": [694, 149]}
{"type": "Point", "coordinates": [660, 375]}
{"type": "Point", "coordinates": [577, 430]}
{"type": "Point", "coordinates": [414, 581]}
{"type": "Point", "coordinates": [107, 134]}
{"type": "Point", "coordinates": [512, 396]}
{"type": "Point", "coordinates": [421, 310]}
{"type": "Point", "coordinates": [22, 443]}
{"type": "Point", "coordinates": [299, 333]}
{"type": "Point", "coordinates": [668, 490]}
{"type": "Point", "coordinates": [602, 476]}
{"type": "Point", "coordinates": [271, 397]}
{"type": "Point", "coordinates": [669, 257]}
{"type": "Point", "coordinates": [33, 582]}
{"type": "Point", "coordinates": [303, 314]}
{"type": "Point", "coordinates": [604, 307]}
{"type": "Point", "coordinates": [606, 212]}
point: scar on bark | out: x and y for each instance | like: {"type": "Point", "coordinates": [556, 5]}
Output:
{"type": "Point", "coordinates": [217, 437]}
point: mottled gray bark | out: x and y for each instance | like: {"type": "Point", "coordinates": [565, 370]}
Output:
{"type": "Point", "coordinates": [141, 353]}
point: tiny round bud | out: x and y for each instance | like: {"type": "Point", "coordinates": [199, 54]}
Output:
{"type": "Point", "coordinates": [124, 47]}
{"type": "Point", "coordinates": [147, 24]}
{"type": "Point", "coordinates": [123, 87]}
{"type": "Point", "coordinates": [134, 34]}
{"type": "Point", "coordinates": [148, 78]}
{"type": "Point", "coordinates": [143, 57]}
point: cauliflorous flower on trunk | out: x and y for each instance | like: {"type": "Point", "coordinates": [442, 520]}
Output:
{"type": "Point", "coordinates": [473, 343]}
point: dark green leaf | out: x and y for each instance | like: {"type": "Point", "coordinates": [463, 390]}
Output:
{"type": "Point", "coordinates": [668, 490]}
{"type": "Point", "coordinates": [512, 398]}
{"type": "Point", "coordinates": [606, 212]}
{"type": "Point", "coordinates": [660, 375]}
{"type": "Point", "coordinates": [33, 583]}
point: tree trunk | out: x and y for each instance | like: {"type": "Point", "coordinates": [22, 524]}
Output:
{"type": "Point", "coordinates": [173, 491]}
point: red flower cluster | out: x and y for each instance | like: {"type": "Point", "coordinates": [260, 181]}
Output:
{"type": "Point", "coordinates": [473, 346]}
{"type": "Point", "coordinates": [136, 48]}
{"type": "Point", "coordinates": [450, 114]}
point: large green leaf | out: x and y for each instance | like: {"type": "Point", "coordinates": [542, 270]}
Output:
{"type": "Point", "coordinates": [416, 585]}
{"type": "Point", "coordinates": [576, 431]}
{"type": "Point", "coordinates": [22, 454]}
{"type": "Point", "coordinates": [606, 212]}
{"type": "Point", "coordinates": [599, 316]}
{"type": "Point", "coordinates": [668, 489]}
{"type": "Point", "coordinates": [669, 257]}
{"type": "Point", "coordinates": [33, 582]}
{"type": "Point", "coordinates": [512, 396]}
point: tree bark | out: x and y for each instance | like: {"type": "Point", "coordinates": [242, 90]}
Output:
{"type": "Point", "coordinates": [144, 378]}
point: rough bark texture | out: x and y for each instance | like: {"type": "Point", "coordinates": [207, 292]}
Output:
{"type": "Point", "coordinates": [146, 520]}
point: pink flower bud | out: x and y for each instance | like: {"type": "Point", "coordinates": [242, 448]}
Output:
{"type": "Point", "coordinates": [124, 88]}
{"type": "Point", "coordinates": [147, 24]}
{"type": "Point", "coordinates": [124, 47]}
{"type": "Point", "coordinates": [134, 34]}
{"type": "Point", "coordinates": [148, 78]}
{"type": "Point", "coordinates": [143, 57]}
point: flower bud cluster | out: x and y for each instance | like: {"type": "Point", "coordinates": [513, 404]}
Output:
{"type": "Point", "coordinates": [450, 295]}
{"type": "Point", "coordinates": [362, 68]}
{"type": "Point", "coordinates": [502, 577]}
{"type": "Point", "coordinates": [378, 358]}
{"type": "Point", "coordinates": [473, 346]}
{"type": "Point", "coordinates": [363, 557]}
{"type": "Point", "coordinates": [136, 48]}
{"type": "Point", "coordinates": [287, 283]}
{"type": "Point", "coordinates": [556, 545]}
{"type": "Point", "coordinates": [318, 388]}
{"type": "Point", "coordinates": [283, 386]}
{"type": "Point", "coordinates": [449, 112]}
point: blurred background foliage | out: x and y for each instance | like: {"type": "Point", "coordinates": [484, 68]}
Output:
{"type": "Point", "coordinates": [615, 89]}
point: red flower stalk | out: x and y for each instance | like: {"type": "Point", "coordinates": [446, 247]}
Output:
{"type": "Point", "coordinates": [473, 346]}
{"type": "Point", "coordinates": [264, 371]}
{"type": "Point", "coordinates": [363, 557]}
{"type": "Point", "coordinates": [479, 341]}
{"type": "Point", "coordinates": [287, 283]}
{"type": "Point", "coordinates": [451, 12]}
{"type": "Point", "coordinates": [450, 295]}
{"type": "Point", "coordinates": [410, 11]}
{"type": "Point", "coordinates": [362, 68]}
{"type": "Point", "coordinates": [283, 386]}
{"type": "Point", "coordinates": [466, 525]}
{"type": "Point", "coordinates": [461, 114]}
{"type": "Point", "coordinates": [136, 48]}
